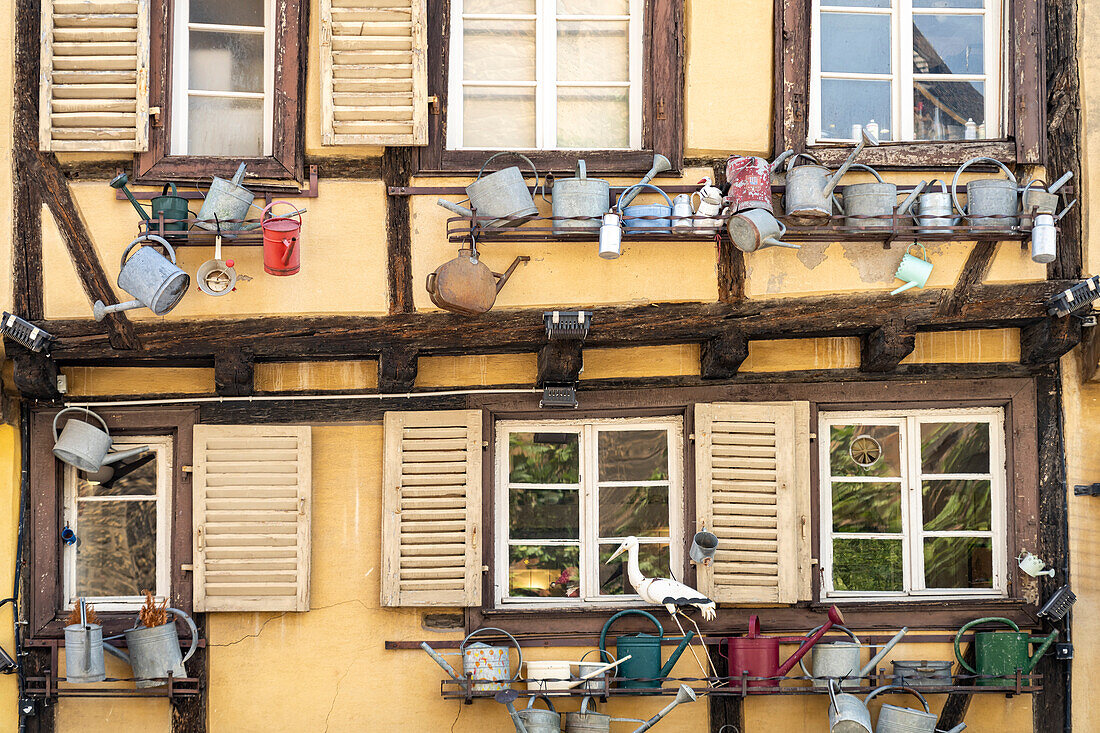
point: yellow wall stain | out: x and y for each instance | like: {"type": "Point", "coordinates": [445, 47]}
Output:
{"type": "Point", "coordinates": [316, 375]}
{"type": "Point", "coordinates": [783, 355]}
{"type": "Point", "coordinates": [464, 371]}
{"type": "Point", "coordinates": [85, 381]}
{"type": "Point", "coordinates": [994, 345]}
{"type": "Point", "coordinates": [641, 361]}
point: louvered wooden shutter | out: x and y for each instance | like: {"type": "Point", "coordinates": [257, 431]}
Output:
{"type": "Point", "coordinates": [252, 493]}
{"type": "Point", "coordinates": [431, 509]}
{"type": "Point", "coordinates": [753, 491]}
{"type": "Point", "coordinates": [374, 72]}
{"type": "Point", "coordinates": [94, 83]}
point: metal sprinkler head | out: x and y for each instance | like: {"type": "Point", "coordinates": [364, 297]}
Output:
{"type": "Point", "coordinates": [120, 181]}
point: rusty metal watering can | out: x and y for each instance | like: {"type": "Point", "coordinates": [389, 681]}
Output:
{"type": "Point", "coordinates": [84, 446]}
{"type": "Point", "coordinates": [998, 654]}
{"type": "Point", "coordinates": [154, 281]}
{"type": "Point", "coordinates": [758, 656]}
{"type": "Point", "coordinates": [750, 180]}
{"type": "Point", "coordinates": [871, 205]}
{"type": "Point", "coordinates": [839, 660]}
{"type": "Point", "coordinates": [991, 203]}
{"type": "Point", "coordinates": [155, 652]}
{"type": "Point", "coordinates": [502, 196]}
{"type": "Point", "coordinates": [466, 285]}
{"type": "Point", "coordinates": [810, 187]}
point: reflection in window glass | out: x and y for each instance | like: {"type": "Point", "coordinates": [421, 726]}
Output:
{"type": "Point", "coordinates": [958, 562]}
{"type": "Point", "coordinates": [854, 42]}
{"type": "Point", "coordinates": [957, 506]}
{"type": "Point", "coordinates": [849, 102]}
{"type": "Point", "coordinates": [866, 507]}
{"type": "Point", "coordinates": [540, 514]}
{"type": "Point", "coordinates": [948, 44]}
{"type": "Point", "coordinates": [641, 511]}
{"type": "Point", "coordinates": [954, 447]}
{"type": "Point", "coordinates": [653, 560]}
{"type": "Point", "coordinates": [544, 458]}
{"type": "Point", "coordinates": [842, 462]}
{"type": "Point", "coordinates": [633, 455]}
{"type": "Point", "coordinates": [867, 565]}
{"type": "Point", "coordinates": [544, 571]}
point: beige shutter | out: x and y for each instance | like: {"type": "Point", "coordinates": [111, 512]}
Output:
{"type": "Point", "coordinates": [431, 509]}
{"type": "Point", "coordinates": [252, 493]}
{"type": "Point", "coordinates": [94, 84]}
{"type": "Point", "coordinates": [374, 72]}
{"type": "Point", "coordinates": [753, 491]}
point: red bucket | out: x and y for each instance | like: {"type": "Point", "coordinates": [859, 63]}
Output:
{"type": "Point", "coordinates": [282, 248]}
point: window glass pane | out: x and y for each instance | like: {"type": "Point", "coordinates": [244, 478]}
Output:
{"type": "Point", "coordinates": [948, 44]}
{"type": "Point", "coordinates": [543, 571]}
{"type": "Point", "coordinates": [941, 110]}
{"type": "Point", "coordinates": [865, 450]}
{"type": "Point", "coordinates": [116, 547]}
{"type": "Point", "coordinates": [136, 477]}
{"type": "Point", "coordinates": [854, 42]}
{"type": "Point", "coordinates": [593, 118]}
{"type": "Point", "coordinates": [641, 511]}
{"type": "Point", "coordinates": [847, 102]}
{"type": "Point", "coordinates": [593, 50]}
{"type": "Point", "coordinates": [957, 505]}
{"type": "Point", "coordinates": [220, 126]}
{"type": "Point", "coordinates": [498, 118]}
{"type": "Point", "coordinates": [954, 447]}
{"type": "Point", "coordinates": [958, 562]}
{"type": "Point", "coordinates": [539, 514]}
{"type": "Point", "coordinates": [226, 62]}
{"type": "Point", "coordinates": [948, 3]}
{"type": "Point", "coordinates": [498, 50]}
{"type": "Point", "coordinates": [867, 565]}
{"type": "Point", "coordinates": [593, 7]}
{"type": "Point", "coordinates": [633, 455]}
{"type": "Point", "coordinates": [544, 458]}
{"type": "Point", "coordinates": [499, 6]}
{"type": "Point", "coordinates": [653, 561]}
{"type": "Point", "coordinates": [866, 507]}
{"type": "Point", "coordinates": [237, 12]}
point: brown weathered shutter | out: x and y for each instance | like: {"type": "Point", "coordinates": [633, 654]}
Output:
{"type": "Point", "coordinates": [431, 509]}
{"type": "Point", "coordinates": [752, 470]}
{"type": "Point", "coordinates": [94, 82]}
{"type": "Point", "coordinates": [374, 72]}
{"type": "Point", "coordinates": [252, 493]}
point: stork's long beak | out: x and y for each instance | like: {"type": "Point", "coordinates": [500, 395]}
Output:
{"type": "Point", "coordinates": [621, 550]}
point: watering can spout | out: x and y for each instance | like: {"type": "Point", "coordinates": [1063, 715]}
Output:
{"type": "Point", "coordinates": [870, 666]}
{"type": "Point", "coordinates": [779, 160]}
{"type": "Point", "coordinates": [903, 288]}
{"type": "Point", "coordinates": [120, 182]}
{"type": "Point", "coordinates": [911, 199]}
{"type": "Point", "coordinates": [239, 175]}
{"type": "Point", "coordinates": [116, 457]}
{"type": "Point", "coordinates": [835, 178]}
{"type": "Point", "coordinates": [1046, 642]}
{"type": "Point", "coordinates": [501, 279]}
{"type": "Point", "coordinates": [685, 694]}
{"type": "Point", "coordinates": [100, 310]}
{"type": "Point", "coordinates": [835, 618]}
{"type": "Point", "coordinates": [453, 207]}
{"type": "Point", "coordinates": [116, 652]}
{"type": "Point", "coordinates": [676, 655]}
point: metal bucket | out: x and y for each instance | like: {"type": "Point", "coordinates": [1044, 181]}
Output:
{"type": "Point", "coordinates": [151, 278]}
{"type": "Point", "coordinates": [282, 242]}
{"type": "Point", "coordinates": [835, 659]}
{"type": "Point", "coordinates": [487, 665]}
{"type": "Point", "coordinates": [922, 672]}
{"type": "Point", "coordinates": [540, 721]}
{"type": "Point", "coordinates": [991, 203]}
{"type": "Point", "coordinates": [226, 200]}
{"type": "Point", "coordinates": [599, 682]}
{"type": "Point", "coordinates": [586, 722]}
{"type": "Point", "coordinates": [896, 719]}
{"type": "Point", "coordinates": [661, 213]}
{"type": "Point", "coordinates": [173, 207]}
{"type": "Point", "coordinates": [84, 653]}
{"type": "Point", "coordinates": [580, 196]}
{"type": "Point", "coordinates": [155, 652]}
{"type": "Point", "coordinates": [81, 444]}
{"type": "Point", "coordinates": [935, 208]}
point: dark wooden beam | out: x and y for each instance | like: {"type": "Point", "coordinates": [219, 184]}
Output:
{"type": "Point", "coordinates": [731, 272]}
{"type": "Point", "coordinates": [397, 369]}
{"type": "Point", "coordinates": [34, 374]}
{"type": "Point", "coordinates": [27, 223]}
{"type": "Point", "coordinates": [189, 714]}
{"type": "Point", "coordinates": [398, 165]}
{"type": "Point", "coordinates": [560, 362]}
{"type": "Point", "coordinates": [306, 411]}
{"type": "Point", "coordinates": [1090, 352]}
{"type": "Point", "coordinates": [511, 331]}
{"type": "Point", "coordinates": [234, 373]}
{"type": "Point", "coordinates": [1048, 340]}
{"type": "Point", "coordinates": [972, 274]}
{"type": "Point", "coordinates": [882, 349]}
{"type": "Point", "coordinates": [725, 711]}
{"type": "Point", "coordinates": [721, 356]}
{"type": "Point", "coordinates": [958, 703]}
{"type": "Point", "coordinates": [1064, 130]}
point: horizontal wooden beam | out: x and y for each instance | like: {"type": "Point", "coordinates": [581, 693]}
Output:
{"type": "Point", "coordinates": [882, 349]}
{"type": "Point", "coordinates": [1046, 341]}
{"type": "Point", "coordinates": [397, 368]}
{"type": "Point", "coordinates": [509, 331]}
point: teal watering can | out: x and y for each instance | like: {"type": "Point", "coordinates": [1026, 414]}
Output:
{"type": "Point", "coordinates": [643, 670]}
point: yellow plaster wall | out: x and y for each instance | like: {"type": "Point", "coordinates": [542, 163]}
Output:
{"type": "Point", "coordinates": [465, 371]}
{"type": "Point", "coordinates": [9, 521]}
{"type": "Point", "coordinates": [641, 361]}
{"type": "Point", "coordinates": [84, 381]}
{"type": "Point", "coordinates": [316, 375]}
{"type": "Point", "coordinates": [982, 346]}
{"type": "Point", "coordinates": [782, 355]}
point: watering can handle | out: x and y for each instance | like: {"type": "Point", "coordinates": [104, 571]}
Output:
{"type": "Point", "coordinates": [481, 172]}
{"type": "Point", "coordinates": [601, 651]}
{"type": "Point", "coordinates": [955, 180]}
{"type": "Point", "coordinates": [641, 185]}
{"type": "Point", "coordinates": [582, 171]}
{"type": "Point", "coordinates": [78, 409]}
{"type": "Point", "coordinates": [849, 632]}
{"type": "Point", "coordinates": [169, 186]}
{"type": "Point", "coordinates": [544, 698]}
{"type": "Point", "coordinates": [899, 688]}
{"type": "Point", "coordinates": [194, 633]}
{"type": "Point", "coordinates": [868, 168]}
{"type": "Point", "coordinates": [627, 612]}
{"type": "Point", "coordinates": [975, 622]}
{"type": "Point", "coordinates": [267, 209]}
{"type": "Point", "coordinates": [519, 649]}
{"type": "Point", "coordinates": [149, 237]}
{"type": "Point", "coordinates": [808, 156]}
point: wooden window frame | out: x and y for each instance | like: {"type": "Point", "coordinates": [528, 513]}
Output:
{"type": "Point", "coordinates": [288, 116]}
{"type": "Point", "coordinates": [1016, 396]}
{"type": "Point", "coordinates": [1023, 84]}
{"type": "Point", "coordinates": [662, 102]}
{"type": "Point", "coordinates": [47, 602]}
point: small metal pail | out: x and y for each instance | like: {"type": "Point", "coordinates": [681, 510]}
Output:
{"type": "Point", "coordinates": [935, 208]}
{"type": "Point", "coordinates": [599, 682]}
{"type": "Point", "coordinates": [150, 277]}
{"type": "Point", "coordinates": [282, 242]}
{"type": "Point", "coordinates": [633, 214]}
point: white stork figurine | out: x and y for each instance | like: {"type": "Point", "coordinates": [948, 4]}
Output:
{"type": "Point", "coordinates": [665, 592]}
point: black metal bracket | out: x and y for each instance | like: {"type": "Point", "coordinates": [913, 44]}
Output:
{"type": "Point", "coordinates": [559, 396]}
{"type": "Point", "coordinates": [1087, 490]}
{"type": "Point", "coordinates": [1063, 650]}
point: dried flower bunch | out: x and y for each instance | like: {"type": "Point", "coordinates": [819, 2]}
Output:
{"type": "Point", "coordinates": [90, 615]}
{"type": "Point", "coordinates": [150, 614]}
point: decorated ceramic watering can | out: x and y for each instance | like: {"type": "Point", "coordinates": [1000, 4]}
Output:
{"type": "Point", "coordinates": [915, 271]}
{"type": "Point", "coordinates": [998, 654]}
{"type": "Point", "coordinates": [758, 656]}
{"type": "Point", "coordinates": [502, 196]}
{"type": "Point", "coordinates": [644, 669]}
{"type": "Point", "coordinates": [465, 285]}
{"type": "Point", "coordinates": [155, 652]}
{"type": "Point", "coordinates": [810, 187]}
{"type": "Point", "coordinates": [154, 281]}
{"type": "Point", "coordinates": [991, 203]}
{"type": "Point", "coordinates": [839, 660]}
{"type": "Point", "coordinates": [487, 665]}
{"type": "Point", "coordinates": [84, 446]}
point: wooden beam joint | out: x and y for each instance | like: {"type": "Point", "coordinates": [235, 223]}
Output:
{"type": "Point", "coordinates": [1048, 340]}
{"type": "Point", "coordinates": [34, 374]}
{"type": "Point", "coordinates": [397, 367]}
{"type": "Point", "coordinates": [882, 349]}
{"type": "Point", "coordinates": [721, 357]}
{"type": "Point", "coordinates": [560, 362]}
{"type": "Point", "coordinates": [234, 373]}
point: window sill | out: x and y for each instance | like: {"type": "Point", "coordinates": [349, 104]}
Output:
{"type": "Point", "coordinates": [947, 154]}
{"type": "Point", "coordinates": [610, 162]}
{"type": "Point", "coordinates": [200, 168]}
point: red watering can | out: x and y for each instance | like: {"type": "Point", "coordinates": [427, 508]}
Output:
{"type": "Point", "coordinates": [758, 656]}
{"type": "Point", "coordinates": [282, 253]}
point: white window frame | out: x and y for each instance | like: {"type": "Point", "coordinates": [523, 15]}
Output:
{"type": "Point", "coordinates": [162, 445]}
{"type": "Point", "coordinates": [545, 84]}
{"type": "Point", "coordinates": [912, 509]}
{"type": "Point", "coordinates": [181, 91]}
{"type": "Point", "coordinates": [901, 64]}
{"type": "Point", "coordinates": [589, 502]}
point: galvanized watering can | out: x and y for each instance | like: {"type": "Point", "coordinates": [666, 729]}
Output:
{"type": "Point", "coordinates": [849, 714]}
{"type": "Point", "coordinates": [502, 196]}
{"type": "Point", "coordinates": [154, 281]}
{"type": "Point", "coordinates": [991, 203]}
{"type": "Point", "coordinates": [84, 651]}
{"type": "Point", "coordinates": [750, 180]}
{"type": "Point", "coordinates": [896, 719]}
{"type": "Point", "coordinates": [171, 205]}
{"type": "Point", "coordinates": [758, 656]}
{"type": "Point", "coordinates": [581, 196]}
{"type": "Point", "coordinates": [839, 660]}
{"type": "Point", "coordinates": [757, 229]}
{"type": "Point", "coordinates": [540, 721]}
{"type": "Point", "coordinates": [998, 654]}
{"type": "Point", "coordinates": [155, 652]}
{"type": "Point", "coordinates": [644, 669]}
{"type": "Point", "coordinates": [657, 215]}
{"type": "Point", "coordinates": [871, 205]}
{"type": "Point", "coordinates": [1038, 198]}
{"type": "Point", "coordinates": [810, 187]}
{"type": "Point", "coordinates": [935, 208]}
{"type": "Point", "coordinates": [226, 200]}
{"type": "Point", "coordinates": [486, 665]}
{"type": "Point", "coordinates": [84, 446]}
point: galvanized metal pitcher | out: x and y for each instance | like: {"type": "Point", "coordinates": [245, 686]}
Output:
{"type": "Point", "coordinates": [991, 203]}
{"type": "Point", "coordinates": [155, 652]}
{"type": "Point", "coordinates": [84, 651]}
{"type": "Point", "coordinates": [871, 205]}
{"type": "Point", "coordinates": [935, 209]}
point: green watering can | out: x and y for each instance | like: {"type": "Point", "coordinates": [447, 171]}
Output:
{"type": "Point", "coordinates": [643, 670]}
{"type": "Point", "coordinates": [998, 654]}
